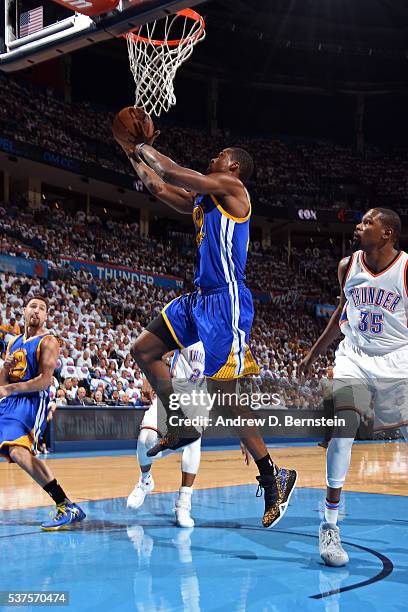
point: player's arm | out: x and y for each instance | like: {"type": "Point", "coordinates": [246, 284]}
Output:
{"type": "Point", "coordinates": [51, 409]}
{"type": "Point", "coordinates": [9, 363]}
{"type": "Point", "coordinates": [48, 362]}
{"type": "Point", "coordinates": [175, 197]}
{"type": "Point", "coordinates": [332, 331]}
{"type": "Point", "coordinates": [216, 183]}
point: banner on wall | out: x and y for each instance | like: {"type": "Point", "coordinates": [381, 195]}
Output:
{"type": "Point", "coordinates": [109, 272]}
{"type": "Point", "coordinates": [88, 169]}
{"type": "Point", "coordinates": [20, 265]}
{"type": "Point", "coordinates": [324, 310]}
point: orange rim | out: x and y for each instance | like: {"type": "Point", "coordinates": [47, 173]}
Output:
{"type": "Point", "coordinates": [172, 43]}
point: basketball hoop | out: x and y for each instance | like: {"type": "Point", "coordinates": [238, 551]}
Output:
{"type": "Point", "coordinates": [154, 61]}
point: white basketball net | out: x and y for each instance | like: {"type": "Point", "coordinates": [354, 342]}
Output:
{"type": "Point", "coordinates": [154, 63]}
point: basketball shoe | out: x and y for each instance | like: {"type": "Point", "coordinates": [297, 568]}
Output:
{"type": "Point", "coordinates": [277, 492]}
{"type": "Point", "coordinates": [331, 550]}
{"type": "Point", "coordinates": [138, 495]}
{"type": "Point", "coordinates": [183, 508]}
{"type": "Point", "coordinates": [64, 516]}
{"type": "Point", "coordinates": [173, 439]}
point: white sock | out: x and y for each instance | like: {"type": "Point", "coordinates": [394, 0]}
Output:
{"type": "Point", "coordinates": [331, 512]}
{"type": "Point", "coordinates": [145, 477]}
{"type": "Point", "coordinates": [185, 494]}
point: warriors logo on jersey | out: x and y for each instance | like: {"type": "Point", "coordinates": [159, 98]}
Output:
{"type": "Point", "coordinates": [19, 370]}
{"type": "Point", "coordinates": [198, 218]}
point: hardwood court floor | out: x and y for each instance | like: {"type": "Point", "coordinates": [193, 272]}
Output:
{"type": "Point", "coordinates": [376, 468]}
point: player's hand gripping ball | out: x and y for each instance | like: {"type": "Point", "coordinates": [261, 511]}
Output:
{"type": "Point", "coordinates": [133, 126]}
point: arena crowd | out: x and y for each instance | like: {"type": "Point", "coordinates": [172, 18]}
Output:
{"type": "Point", "coordinates": [288, 171]}
{"type": "Point", "coordinates": [97, 320]}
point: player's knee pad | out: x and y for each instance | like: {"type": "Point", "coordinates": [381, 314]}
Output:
{"type": "Point", "coordinates": [338, 461]}
{"type": "Point", "coordinates": [190, 460]}
{"type": "Point", "coordinates": [146, 440]}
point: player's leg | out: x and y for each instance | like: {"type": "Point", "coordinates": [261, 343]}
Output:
{"type": "Point", "coordinates": [276, 483]}
{"type": "Point", "coordinates": [37, 469]}
{"type": "Point", "coordinates": [228, 357]}
{"type": "Point", "coordinates": [67, 512]}
{"type": "Point", "coordinates": [146, 440]}
{"type": "Point", "coordinates": [338, 457]}
{"type": "Point", "coordinates": [351, 398]}
{"type": "Point", "coordinates": [190, 462]}
{"type": "Point", "coordinates": [329, 414]}
{"type": "Point", "coordinates": [391, 393]}
{"type": "Point", "coordinates": [174, 328]}
{"type": "Point", "coordinates": [148, 350]}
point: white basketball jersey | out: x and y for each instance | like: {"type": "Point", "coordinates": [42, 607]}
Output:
{"type": "Point", "coordinates": [188, 363]}
{"type": "Point", "coordinates": [375, 315]}
{"type": "Point", "coordinates": [186, 371]}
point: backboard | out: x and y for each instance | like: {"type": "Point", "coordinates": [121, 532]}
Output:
{"type": "Point", "coordinates": [33, 31]}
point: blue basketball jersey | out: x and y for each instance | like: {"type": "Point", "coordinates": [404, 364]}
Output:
{"type": "Point", "coordinates": [222, 242]}
{"type": "Point", "coordinates": [27, 354]}
{"type": "Point", "coordinates": [23, 416]}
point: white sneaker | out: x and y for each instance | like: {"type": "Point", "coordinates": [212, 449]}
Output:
{"type": "Point", "coordinates": [182, 541]}
{"type": "Point", "coordinates": [331, 550]}
{"type": "Point", "coordinates": [142, 542]}
{"type": "Point", "coordinates": [183, 508]}
{"type": "Point", "coordinates": [137, 496]}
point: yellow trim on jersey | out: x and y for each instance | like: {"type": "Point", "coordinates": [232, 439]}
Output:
{"type": "Point", "coordinates": [39, 346]}
{"type": "Point", "coordinates": [169, 325]}
{"type": "Point", "coordinates": [227, 371]}
{"type": "Point", "coordinates": [34, 337]}
{"type": "Point", "coordinates": [11, 342]}
{"type": "Point", "coordinates": [227, 214]}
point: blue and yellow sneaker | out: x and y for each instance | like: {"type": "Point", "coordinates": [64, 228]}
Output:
{"type": "Point", "coordinates": [277, 492]}
{"type": "Point", "coordinates": [65, 515]}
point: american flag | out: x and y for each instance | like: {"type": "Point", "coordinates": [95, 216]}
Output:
{"type": "Point", "coordinates": [31, 22]}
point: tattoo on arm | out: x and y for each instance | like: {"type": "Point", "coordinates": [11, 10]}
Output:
{"type": "Point", "coordinates": [152, 158]}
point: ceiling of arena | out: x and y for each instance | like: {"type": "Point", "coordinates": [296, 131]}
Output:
{"type": "Point", "coordinates": [312, 45]}
{"type": "Point", "coordinates": [314, 41]}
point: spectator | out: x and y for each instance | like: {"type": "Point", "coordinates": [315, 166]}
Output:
{"type": "Point", "coordinates": [126, 400]}
{"type": "Point", "coordinates": [12, 327]}
{"type": "Point", "coordinates": [70, 392]}
{"type": "Point", "coordinates": [81, 398]}
{"type": "Point", "coordinates": [61, 397]}
{"type": "Point", "coordinates": [99, 399]}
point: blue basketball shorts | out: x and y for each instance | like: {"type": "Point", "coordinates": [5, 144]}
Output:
{"type": "Point", "coordinates": [23, 419]}
{"type": "Point", "coordinates": [221, 318]}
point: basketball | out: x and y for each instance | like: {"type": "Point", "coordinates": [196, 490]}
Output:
{"type": "Point", "coordinates": [131, 126]}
